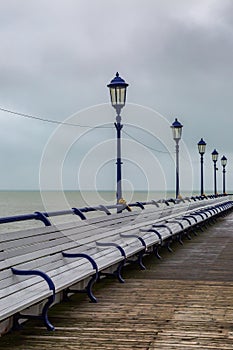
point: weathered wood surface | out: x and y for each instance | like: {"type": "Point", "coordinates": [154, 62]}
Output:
{"type": "Point", "coordinates": [182, 302]}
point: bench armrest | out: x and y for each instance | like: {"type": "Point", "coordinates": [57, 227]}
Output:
{"type": "Point", "coordinates": [176, 221]}
{"type": "Point", "coordinates": [95, 267]}
{"type": "Point", "coordinates": [112, 244]}
{"type": "Point", "coordinates": [51, 285]}
{"type": "Point", "coordinates": [163, 226]}
{"type": "Point", "coordinates": [82, 255]}
{"type": "Point", "coordinates": [35, 273]}
{"type": "Point", "coordinates": [154, 231]}
{"type": "Point", "coordinates": [125, 235]}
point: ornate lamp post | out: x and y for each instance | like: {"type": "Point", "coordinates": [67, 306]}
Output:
{"type": "Point", "coordinates": [176, 132]}
{"type": "Point", "coordinates": [201, 148]}
{"type": "Point", "coordinates": [214, 159]}
{"type": "Point", "coordinates": [118, 89]}
{"type": "Point", "coordinates": [224, 163]}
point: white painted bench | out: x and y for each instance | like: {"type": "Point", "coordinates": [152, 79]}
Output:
{"type": "Point", "coordinates": [38, 265]}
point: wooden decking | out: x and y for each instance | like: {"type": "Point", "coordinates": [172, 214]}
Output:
{"type": "Point", "coordinates": [182, 302]}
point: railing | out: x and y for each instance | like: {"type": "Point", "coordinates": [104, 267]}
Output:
{"type": "Point", "coordinates": [43, 216]}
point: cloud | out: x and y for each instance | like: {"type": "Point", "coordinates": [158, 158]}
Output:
{"type": "Point", "coordinates": [57, 58]}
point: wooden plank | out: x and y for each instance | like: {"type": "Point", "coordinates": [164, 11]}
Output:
{"type": "Point", "coordinates": [66, 274]}
{"type": "Point", "coordinates": [182, 302]}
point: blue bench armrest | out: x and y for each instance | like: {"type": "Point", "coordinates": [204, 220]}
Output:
{"type": "Point", "coordinates": [51, 299]}
{"type": "Point", "coordinates": [112, 244]}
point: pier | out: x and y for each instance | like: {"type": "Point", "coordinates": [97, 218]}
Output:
{"type": "Point", "coordinates": [183, 301]}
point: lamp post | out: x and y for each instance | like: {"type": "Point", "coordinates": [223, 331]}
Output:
{"type": "Point", "coordinates": [201, 148]}
{"type": "Point", "coordinates": [176, 132]}
{"type": "Point", "coordinates": [215, 158]}
{"type": "Point", "coordinates": [118, 89]}
{"type": "Point", "coordinates": [224, 163]}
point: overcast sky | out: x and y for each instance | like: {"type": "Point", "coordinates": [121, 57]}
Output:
{"type": "Point", "coordinates": [57, 58]}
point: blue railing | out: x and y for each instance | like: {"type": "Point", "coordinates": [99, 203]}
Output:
{"type": "Point", "coordinates": [44, 216]}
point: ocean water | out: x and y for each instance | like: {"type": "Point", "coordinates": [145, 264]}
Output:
{"type": "Point", "coordinates": [26, 202]}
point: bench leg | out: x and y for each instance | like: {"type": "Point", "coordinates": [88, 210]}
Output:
{"type": "Point", "coordinates": [156, 252]}
{"type": "Point", "coordinates": [43, 317]}
{"type": "Point", "coordinates": [139, 259]}
{"type": "Point", "coordinates": [93, 279]}
{"type": "Point", "coordinates": [16, 326]}
{"type": "Point", "coordinates": [87, 289]}
{"type": "Point", "coordinates": [116, 273]}
{"type": "Point", "coordinates": [169, 247]}
{"type": "Point", "coordinates": [140, 262]}
{"type": "Point", "coordinates": [186, 233]}
{"type": "Point", "coordinates": [194, 232]}
{"type": "Point", "coordinates": [200, 228]}
{"type": "Point", "coordinates": [179, 239]}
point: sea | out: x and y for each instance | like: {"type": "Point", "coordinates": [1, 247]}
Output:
{"type": "Point", "coordinates": [14, 203]}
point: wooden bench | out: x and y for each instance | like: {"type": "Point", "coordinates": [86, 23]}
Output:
{"type": "Point", "coordinates": [41, 266]}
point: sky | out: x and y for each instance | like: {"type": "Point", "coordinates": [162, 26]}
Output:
{"type": "Point", "coordinates": [57, 58]}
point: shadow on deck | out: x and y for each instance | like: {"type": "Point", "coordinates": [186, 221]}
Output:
{"type": "Point", "coordinates": [182, 302]}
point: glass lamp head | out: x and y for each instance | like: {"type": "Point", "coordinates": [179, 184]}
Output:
{"type": "Point", "coordinates": [176, 130]}
{"type": "Point", "coordinates": [201, 146]}
{"type": "Point", "coordinates": [118, 88]}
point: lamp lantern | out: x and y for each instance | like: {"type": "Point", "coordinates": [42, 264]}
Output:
{"type": "Point", "coordinates": [201, 146]}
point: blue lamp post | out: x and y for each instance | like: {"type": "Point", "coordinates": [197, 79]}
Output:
{"type": "Point", "coordinates": [224, 163]}
{"type": "Point", "coordinates": [176, 132]}
{"type": "Point", "coordinates": [118, 89]}
{"type": "Point", "coordinates": [215, 158]}
{"type": "Point", "coordinates": [201, 148]}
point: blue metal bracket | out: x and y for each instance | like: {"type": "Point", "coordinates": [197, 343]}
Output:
{"type": "Point", "coordinates": [155, 203]}
{"type": "Point", "coordinates": [156, 251]}
{"type": "Point", "coordinates": [51, 299]}
{"type": "Point", "coordinates": [104, 209]}
{"type": "Point", "coordinates": [117, 273]}
{"type": "Point", "coordinates": [172, 200]}
{"type": "Point", "coordinates": [134, 236]}
{"type": "Point", "coordinates": [128, 208]}
{"type": "Point", "coordinates": [203, 215]}
{"type": "Point", "coordinates": [163, 226]}
{"type": "Point", "coordinates": [204, 211]}
{"type": "Point", "coordinates": [140, 255]}
{"type": "Point", "coordinates": [190, 216]}
{"type": "Point", "coordinates": [154, 231]}
{"type": "Point", "coordinates": [200, 214]}
{"type": "Point", "coordinates": [169, 247]}
{"type": "Point", "coordinates": [181, 226]}
{"type": "Point", "coordinates": [211, 211]}
{"type": "Point", "coordinates": [156, 246]}
{"type": "Point", "coordinates": [176, 222]}
{"type": "Point", "coordinates": [82, 255]}
{"type": "Point", "coordinates": [78, 212]}
{"type": "Point", "coordinates": [186, 219]}
{"type": "Point", "coordinates": [140, 205]}
{"type": "Point", "coordinates": [40, 216]}
{"type": "Point", "coordinates": [214, 209]}
{"type": "Point", "coordinates": [171, 233]}
{"type": "Point", "coordinates": [112, 244]}
{"type": "Point", "coordinates": [157, 234]}
{"type": "Point", "coordinates": [93, 279]}
{"type": "Point", "coordinates": [182, 200]}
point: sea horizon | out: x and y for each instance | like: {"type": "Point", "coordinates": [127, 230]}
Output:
{"type": "Point", "coordinates": [21, 202]}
